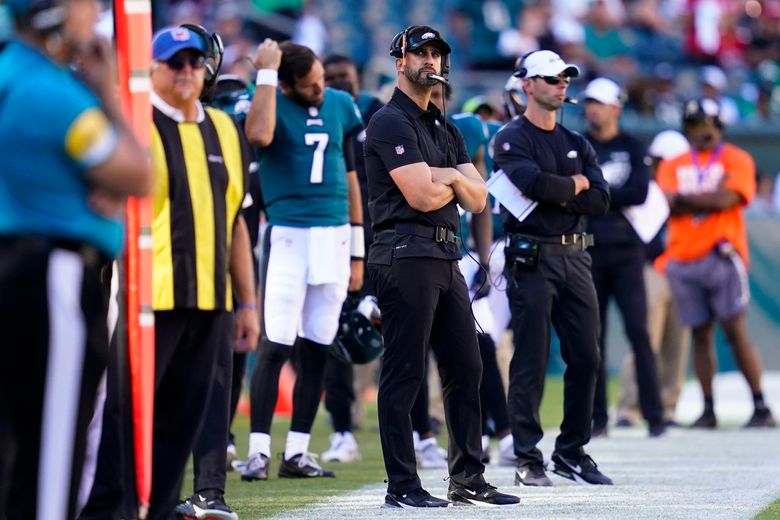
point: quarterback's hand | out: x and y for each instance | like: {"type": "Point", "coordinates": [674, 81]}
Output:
{"type": "Point", "coordinates": [268, 55]}
{"type": "Point", "coordinates": [356, 275]}
{"type": "Point", "coordinates": [246, 330]}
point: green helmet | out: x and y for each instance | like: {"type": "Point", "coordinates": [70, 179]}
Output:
{"type": "Point", "coordinates": [358, 340]}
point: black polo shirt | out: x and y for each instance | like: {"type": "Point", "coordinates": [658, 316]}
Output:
{"type": "Point", "coordinates": [541, 163]}
{"type": "Point", "coordinates": [399, 134]}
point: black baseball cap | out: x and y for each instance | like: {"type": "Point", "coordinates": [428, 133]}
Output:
{"type": "Point", "coordinates": [417, 36]}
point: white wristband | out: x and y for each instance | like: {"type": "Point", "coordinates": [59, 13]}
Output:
{"type": "Point", "coordinates": [357, 246]}
{"type": "Point", "coordinates": [269, 77]}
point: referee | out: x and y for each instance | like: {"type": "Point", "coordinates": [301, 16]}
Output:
{"type": "Point", "coordinates": [69, 161]}
{"type": "Point", "coordinates": [418, 170]}
{"type": "Point", "coordinates": [548, 270]}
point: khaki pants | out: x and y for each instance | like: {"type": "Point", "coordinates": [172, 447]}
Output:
{"type": "Point", "coordinates": [669, 341]}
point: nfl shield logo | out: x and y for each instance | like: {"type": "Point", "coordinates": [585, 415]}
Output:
{"type": "Point", "coordinates": [505, 146]}
{"type": "Point", "coordinates": [399, 150]}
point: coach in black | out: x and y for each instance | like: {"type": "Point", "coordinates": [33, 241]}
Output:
{"type": "Point", "coordinates": [548, 270]}
{"type": "Point", "coordinates": [418, 170]}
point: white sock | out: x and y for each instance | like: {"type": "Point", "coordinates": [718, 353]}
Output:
{"type": "Point", "coordinates": [416, 439]}
{"type": "Point", "coordinates": [507, 443]}
{"type": "Point", "coordinates": [297, 442]}
{"type": "Point", "coordinates": [485, 442]}
{"type": "Point", "coordinates": [424, 443]}
{"type": "Point", "coordinates": [260, 443]}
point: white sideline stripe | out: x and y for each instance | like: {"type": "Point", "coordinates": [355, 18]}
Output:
{"type": "Point", "coordinates": [67, 338]}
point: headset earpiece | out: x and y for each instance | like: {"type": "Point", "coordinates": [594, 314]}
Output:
{"type": "Point", "coordinates": [214, 51]}
{"type": "Point", "coordinates": [520, 70]}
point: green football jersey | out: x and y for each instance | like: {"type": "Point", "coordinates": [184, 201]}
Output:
{"type": "Point", "coordinates": [498, 225]}
{"type": "Point", "coordinates": [475, 136]}
{"type": "Point", "coordinates": [303, 170]}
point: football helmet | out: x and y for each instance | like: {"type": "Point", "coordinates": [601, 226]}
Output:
{"type": "Point", "coordinates": [358, 340]}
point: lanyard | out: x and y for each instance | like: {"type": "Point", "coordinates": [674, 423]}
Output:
{"type": "Point", "coordinates": [702, 171]}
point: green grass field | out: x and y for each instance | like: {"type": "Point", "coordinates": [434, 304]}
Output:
{"type": "Point", "coordinates": [253, 500]}
{"type": "Point", "coordinates": [772, 511]}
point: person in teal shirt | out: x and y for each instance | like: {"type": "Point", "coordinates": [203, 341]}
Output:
{"type": "Point", "coordinates": [69, 162]}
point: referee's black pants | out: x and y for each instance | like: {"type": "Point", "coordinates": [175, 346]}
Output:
{"type": "Point", "coordinates": [561, 290]}
{"type": "Point", "coordinates": [187, 342]}
{"type": "Point", "coordinates": [618, 270]}
{"type": "Point", "coordinates": [426, 300]}
{"type": "Point", "coordinates": [54, 348]}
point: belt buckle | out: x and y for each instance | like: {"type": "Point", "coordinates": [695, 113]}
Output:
{"type": "Point", "coordinates": [567, 240]}
{"type": "Point", "coordinates": [440, 234]}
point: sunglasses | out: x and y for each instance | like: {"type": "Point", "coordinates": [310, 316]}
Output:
{"type": "Point", "coordinates": [178, 61]}
{"type": "Point", "coordinates": [554, 80]}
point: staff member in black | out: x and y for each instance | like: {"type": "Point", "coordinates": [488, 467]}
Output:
{"type": "Point", "coordinates": [549, 270]}
{"type": "Point", "coordinates": [418, 169]}
{"type": "Point", "coordinates": [618, 256]}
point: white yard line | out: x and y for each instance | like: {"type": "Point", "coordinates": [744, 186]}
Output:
{"type": "Point", "coordinates": [728, 473]}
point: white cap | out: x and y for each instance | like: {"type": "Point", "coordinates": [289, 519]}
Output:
{"type": "Point", "coordinates": [713, 76]}
{"type": "Point", "coordinates": [668, 144]}
{"type": "Point", "coordinates": [604, 91]}
{"type": "Point", "coordinates": [547, 63]}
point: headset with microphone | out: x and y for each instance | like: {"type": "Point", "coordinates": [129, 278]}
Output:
{"type": "Point", "coordinates": [215, 49]}
{"type": "Point", "coordinates": [401, 44]}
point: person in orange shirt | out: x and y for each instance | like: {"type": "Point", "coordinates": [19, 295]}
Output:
{"type": "Point", "coordinates": [707, 252]}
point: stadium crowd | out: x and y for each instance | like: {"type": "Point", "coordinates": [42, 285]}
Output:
{"type": "Point", "coordinates": [262, 230]}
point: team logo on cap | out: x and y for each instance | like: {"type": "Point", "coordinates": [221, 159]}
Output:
{"type": "Point", "coordinates": [427, 36]}
{"type": "Point", "coordinates": [180, 34]}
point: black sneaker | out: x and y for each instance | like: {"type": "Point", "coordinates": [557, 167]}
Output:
{"type": "Point", "coordinates": [484, 495]}
{"type": "Point", "coordinates": [761, 418]}
{"type": "Point", "coordinates": [303, 465]}
{"type": "Point", "coordinates": [211, 505]}
{"type": "Point", "coordinates": [584, 470]}
{"type": "Point", "coordinates": [707, 421]}
{"type": "Point", "coordinates": [532, 474]}
{"type": "Point", "coordinates": [256, 468]}
{"type": "Point", "coordinates": [624, 422]}
{"type": "Point", "coordinates": [185, 511]}
{"type": "Point", "coordinates": [656, 430]}
{"type": "Point", "coordinates": [413, 499]}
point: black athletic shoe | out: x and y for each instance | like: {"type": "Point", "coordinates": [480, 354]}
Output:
{"type": "Point", "coordinates": [532, 474]}
{"type": "Point", "coordinates": [185, 511]}
{"type": "Point", "coordinates": [761, 418]}
{"type": "Point", "coordinates": [211, 505]}
{"type": "Point", "coordinates": [484, 495]}
{"type": "Point", "coordinates": [624, 422]}
{"type": "Point", "coordinates": [707, 421]}
{"type": "Point", "coordinates": [657, 430]}
{"type": "Point", "coordinates": [413, 499]}
{"type": "Point", "coordinates": [256, 468]}
{"type": "Point", "coordinates": [303, 465]}
{"type": "Point", "coordinates": [583, 470]}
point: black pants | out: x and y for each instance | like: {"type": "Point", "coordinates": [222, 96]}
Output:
{"type": "Point", "coordinates": [54, 348]}
{"type": "Point", "coordinates": [236, 384]}
{"type": "Point", "coordinates": [561, 289]}
{"type": "Point", "coordinates": [339, 393]}
{"type": "Point", "coordinates": [491, 389]}
{"type": "Point", "coordinates": [187, 343]}
{"type": "Point", "coordinates": [618, 271]}
{"type": "Point", "coordinates": [426, 301]}
{"type": "Point", "coordinates": [209, 455]}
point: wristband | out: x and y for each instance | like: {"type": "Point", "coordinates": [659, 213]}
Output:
{"type": "Point", "coordinates": [267, 77]}
{"type": "Point", "coordinates": [250, 306]}
{"type": "Point", "coordinates": [357, 246]}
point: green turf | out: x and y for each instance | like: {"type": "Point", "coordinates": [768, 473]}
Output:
{"type": "Point", "coordinates": [253, 500]}
{"type": "Point", "coordinates": [772, 511]}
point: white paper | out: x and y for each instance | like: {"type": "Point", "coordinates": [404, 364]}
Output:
{"type": "Point", "coordinates": [509, 196]}
{"type": "Point", "coordinates": [648, 218]}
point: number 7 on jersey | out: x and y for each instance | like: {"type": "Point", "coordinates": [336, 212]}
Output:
{"type": "Point", "coordinates": [318, 161]}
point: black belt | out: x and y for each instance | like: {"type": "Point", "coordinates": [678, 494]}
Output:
{"type": "Point", "coordinates": [559, 244]}
{"type": "Point", "coordinates": [440, 234]}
